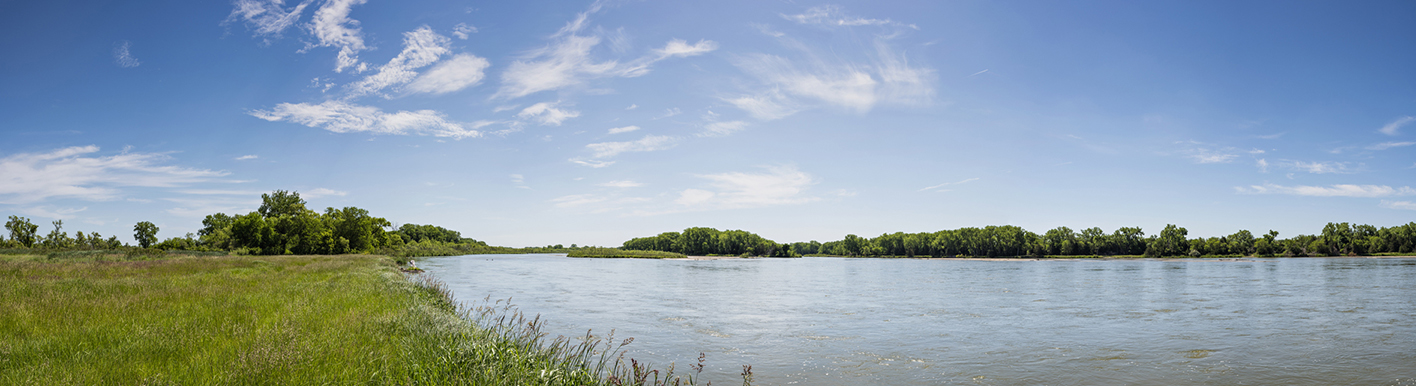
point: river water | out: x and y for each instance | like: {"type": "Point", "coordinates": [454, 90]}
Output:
{"type": "Point", "coordinates": [839, 321]}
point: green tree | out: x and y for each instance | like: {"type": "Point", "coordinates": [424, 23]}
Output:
{"type": "Point", "coordinates": [281, 202]}
{"type": "Point", "coordinates": [146, 233]}
{"type": "Point", "coordinates": [22, 230]}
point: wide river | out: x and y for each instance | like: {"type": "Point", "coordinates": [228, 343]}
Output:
{"type": "Point", "coordinates": [838, 321]}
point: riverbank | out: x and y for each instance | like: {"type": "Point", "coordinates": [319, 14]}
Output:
{"type": "Point", "coordinates": [341, 319]}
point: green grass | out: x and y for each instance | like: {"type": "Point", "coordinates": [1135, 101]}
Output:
{"type": "Point", "coordinates": [607, 253]}
{"type": "Point", "coordinates": [350, 319]}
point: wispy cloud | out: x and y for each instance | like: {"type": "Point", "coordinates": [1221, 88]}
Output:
{"type": "Point", "coordinates": [622, 184]}
{"type": "Point", "coordinates": [247, 157]}
{"type": "Point", "coordinates": [625, 129]}
{"type": "Point", "coordinates": [547, 113]}
{"type": "Point", "coordinates": [575, 200]}
{"type": "Point", "coordinates": [459, 72]}
{"type": "Point", "coordinates": [76, 172]}
{"type": "Point", "coordinates": [462, 29]}
{"type": "Point", "coordinates": [421, 47]}
{"type": "Point", "coordinates": [519, 181]}
{"type": "Point", "coordinates": [267, 18]}
{"type": "Point", "coordinates": [648, 143]}
{"type": "Point", "coordinates": [1388, 145]}
{"type": "Point", "coordinates": [1320, 167]}
{"type": "Point", "coordinates": [1407, 205]}
{"type": "Point", "coordinates": [323, 192]}
{"type": "Point", "coordinates": [948, 184]}
{"type": "Point", "coordinates": [768, 105]}
{"type": "Point", "coordinates": [718, 129]}
{"type": "Point", "coordinates": [122, 56]}
{"type": "Point", "coordinates": [567, 61]}
{"type": "Point", "coordinates": [680, 48]}
{"type": "Point", "coordinates": [1210, 156]}
{"type": "Point", "coordinates": [1341, 190]}
{"type": "Point", "coordinates": [342, 117]}
{"type": "Point", "coordinates": [332, 27]}
{"type": "Point", "coordinates": [52, 212]}
{"type": "Point", "coordinates": [886, 76]}
{"type": "Point", "coordinates": [778, 185]}
{"type": "Point", "coordinates": [832, 15]}
{"type": "Point", "coordinates": [1394, 126]}
{"type": "Point", "coordinates": [1262, 164]}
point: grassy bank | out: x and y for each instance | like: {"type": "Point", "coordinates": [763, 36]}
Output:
{"type": "Point", "coordinates": [270, 320]}
{"type": "Point", "coordinates": [623, 254]}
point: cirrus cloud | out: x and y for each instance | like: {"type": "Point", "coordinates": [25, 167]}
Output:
{"type": "Point", "coordinates": [342, 117]}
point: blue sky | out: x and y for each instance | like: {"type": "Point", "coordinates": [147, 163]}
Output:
{"type": "Point", "coordinates": [541, 122]}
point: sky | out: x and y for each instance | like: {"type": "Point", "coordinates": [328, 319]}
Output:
{"type": "Point", "coordinates": [572, 122]}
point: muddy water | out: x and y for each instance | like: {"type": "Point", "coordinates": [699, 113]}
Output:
{"type": "Point", "coordinates": [833, 321]}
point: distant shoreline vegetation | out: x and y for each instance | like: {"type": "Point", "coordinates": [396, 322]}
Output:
{"type": "Point", "coordinates": [1336, 239]}
{"type": "Point", "coordinates": [616, 253]}
{"type": "Point", "coordinates": [282, 225]}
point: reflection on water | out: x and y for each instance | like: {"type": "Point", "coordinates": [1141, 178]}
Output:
{"type": "Point", "coordinates": [830, 321]}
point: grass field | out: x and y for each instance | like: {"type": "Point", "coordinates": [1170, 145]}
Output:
{"type": "Point", "coordinates": [351, 319]}
{"type": "Point", "coordinates": [613, 253]}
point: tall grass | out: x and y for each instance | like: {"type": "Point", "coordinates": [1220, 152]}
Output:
{"type": "Point", "coordinates": [621, 253]}
{"type": "Point", "coordinates": [351, 319]}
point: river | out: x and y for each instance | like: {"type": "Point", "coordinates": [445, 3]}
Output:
{"type": "Point", "coordinates": [840, 321]}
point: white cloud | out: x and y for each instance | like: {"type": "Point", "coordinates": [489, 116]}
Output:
{"type": "Point", "coordinates": [1209, 156]}
{"type": "Point", "coordinates": [459, 72]}
{"type": "Point", "coordinates": [648, 143]}
{"type": "Point", "coordinates": [332, 27]}
{"type": "Point", "coordinates": [1388, 145]}
{"type": "Point", "coordinates": [341, 117]}
{"type": "Point", "coordinates": [567, 61]}
{"type": "Point", "coordinates": [246, 157]}
{"type": "Point", "coordinates": [1319, 167]}
{"type": "Point", "coordinates": [1263, 165]}
{"type": "Point", "coordinates": [718, 129]}
{"type": "Point", "coordinates": [322, 192]}
{"type": "Point", "coordinates": [1341, 190]}
{"type": "Point", "coordinates": [49, 212]}
{"type": "Point", "coordinates": [779, 185]}
{"type": "Point", "coordinates": [632, 107]}
{"type": "Point", "coordinates": [767, 106]}
{"type": "Point", "coordinates": [831, 15]}
{"type": "Point", "coordinates": [1391, 128]}
{"type": "Point", "coordinates": [857, 80]}
{"type": "Point", "coordinates": [122, 57]}
{"type": "Point", "coordinates": [266, 18]}
{"type": "Point", "coordinates": [462, 29]}
{"type": "Point", "coordinates": [847, 86]}
{"type": "Point", "coordinates": [1408, 205]}
{"type": "Point", "coordinates": [560, 65]}
{"type": "Point", "coordinates": [694, 197]}
{"type": "Point", "coordinates": [593, 163]}
{"type": "Point", "coordinates": [421, 47]}
{"type": "Point", "coordinates": [669, 112]}
{"type": "Point", "coordinates": [547, 113]}
{"type": "Point", "coordinates": [75, 172]}
{"type": "Point", "coordinates": [622, 184]}
{"type": "Point", "coordinates": [625, 129]}
{"type": "Point", "coordinates": [681, 48]}
{"type": "Point", "coordinates": [576, 200]}
{"type": "Point", "coordinates": [949, 183]}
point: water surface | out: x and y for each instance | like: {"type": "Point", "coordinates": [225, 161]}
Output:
{"type": "Point", "coordinates": [836, 321]}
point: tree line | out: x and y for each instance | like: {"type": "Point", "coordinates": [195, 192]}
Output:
{"type": "Point", "coordinates": [281, 225]}
{"type": "Point", "coordinates": [709, 241]}
{"type": "Point", "coordinates": [1336, 239]}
